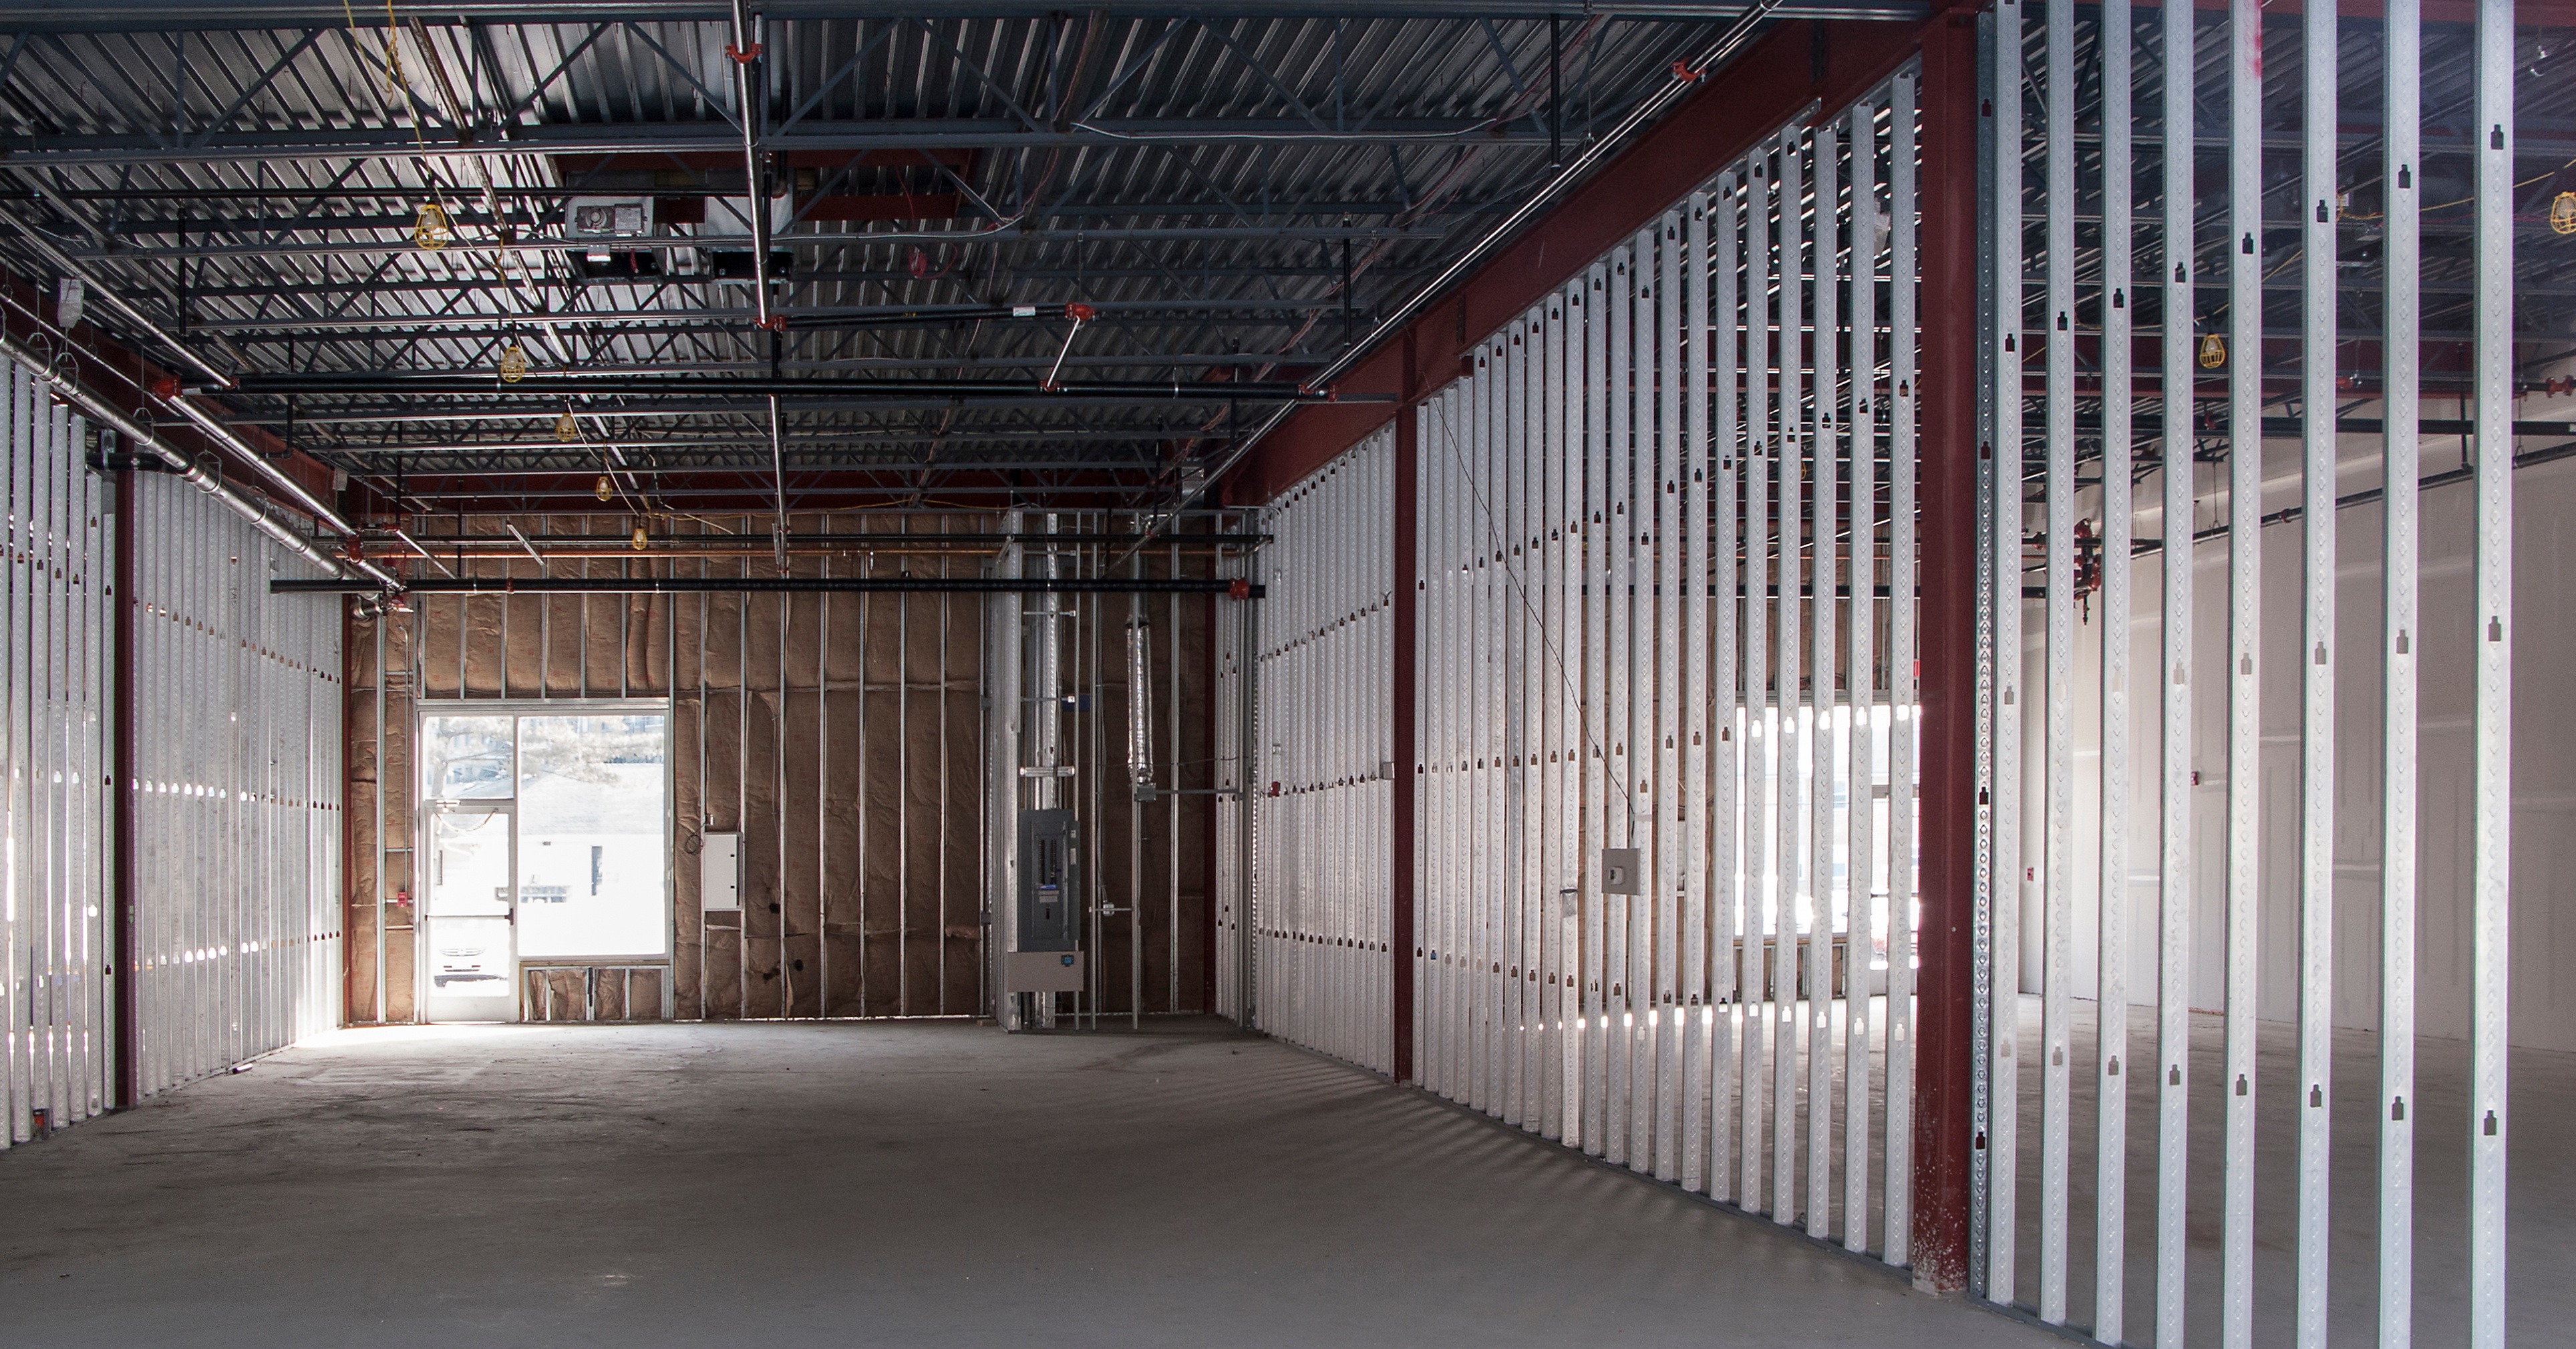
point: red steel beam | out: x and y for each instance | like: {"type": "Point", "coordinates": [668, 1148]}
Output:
{"type": "Point", "coordinates": [1945, 933]}
{"type": "Point", "coordinates": [1741, 103]}
{"type": "Point", "coordinates": [1217, 612]}
{"type": "Point", "coordinates": [1404, 586]}
{"type": "Point", "coordinates": [1797, 63]}
{"type": "Point", "coordinates": [119, 375]}
{"type": "Point", "coordinates": [125, 919]}
{"type": "Point", "coordinates": [2527, 13]}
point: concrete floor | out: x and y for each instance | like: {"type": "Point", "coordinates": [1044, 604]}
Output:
{"type": "Point", "coordinates": [2541, 1166]}
{"type": "Point", "coordinates": [2540, 1301]}
{"type": "Point", "coordinates": [921, 1184]}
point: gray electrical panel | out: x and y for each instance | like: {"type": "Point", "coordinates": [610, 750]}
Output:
{"type": "Point", "coordinates": [1050, 864]}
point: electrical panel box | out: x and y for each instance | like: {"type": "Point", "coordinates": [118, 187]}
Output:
{"type": "Point", "coordinates": [1619, 867]}
{"type": "Point", "coordinates": [719, 873]}
{"type": "Point", "coordinates": [1049, 881]}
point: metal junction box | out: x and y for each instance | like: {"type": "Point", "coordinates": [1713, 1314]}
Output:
{"type": "Point", "coordinates": [1043, 972]}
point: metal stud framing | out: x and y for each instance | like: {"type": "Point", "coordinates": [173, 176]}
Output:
{"type": "Point", "coordinates": [240, 823]}
{"type": "Point", "coordinates": [1863, 915]}
{"type": "Point", "coordinates": [2002, 664]}
{"type": "Point", "coordinates": [1594, 588]}
{"type": "Point", "coordinates": [2491, 705]}
{"type": "Point", "coordinates": [1905, 707]}
{"type": "Point", "coordinates": [1591, 318]}
{"type": "Point", "coordinates": [2057, 847]}
{"type": "Point", "coordinates": [237, 815]}
{"type": "Point", "coordinates": [2111, 1016]}
{"type": "Point", "coordinates": [1702, 852]}
{"type": "Point", "coordinates": [2399, 629]}
{"type": "Point", "coordinates": [1617, 538]}
{"type": "Point", "coordinates": [2176, 269]}
{"type": "Point", "coordinates": [1320, 799]}
{"type": "Point", "coordinates": [2261, 394]}
{"type": "Point", "coordinates": [1824, 527]}
{"type": "Point", "coordinates": [1237, 761]}
{"type": "Point", "coordinates": [1788, 377]}
{"type": "Point", "coordinates": [2244, 658]}
{"type": "Point", "coordinates": [1758, 887]}
{"type": "Point", "coordinates": [58, 984]}
{"type": "Point", "coordinates": [2318, 252]}
{"type": "Point", "coordinates": [1659, 512]}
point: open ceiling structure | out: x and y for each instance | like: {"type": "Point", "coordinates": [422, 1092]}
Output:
{"type": "Point", "coordinates": [934, 257]}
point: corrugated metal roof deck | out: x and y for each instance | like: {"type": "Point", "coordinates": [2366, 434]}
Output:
{"type": "Point", "coordinates": [1204, 183]}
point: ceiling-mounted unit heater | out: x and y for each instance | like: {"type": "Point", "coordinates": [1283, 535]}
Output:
{"type": "Point", "coordinates": [604, 219]}
{"type": "Point", "coordinates": [601, 225]}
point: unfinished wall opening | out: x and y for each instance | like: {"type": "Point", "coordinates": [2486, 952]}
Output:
{"type": "Point", "coordinates": [839, 737]}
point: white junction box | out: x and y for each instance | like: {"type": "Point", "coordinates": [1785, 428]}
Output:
{"type": "Point", "coordinates": [719, 873]}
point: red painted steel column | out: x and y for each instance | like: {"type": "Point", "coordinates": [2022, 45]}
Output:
{"type": "Point", "coordinates": [125, 936]}
{"type": "Point", "coordinates": [1216, 608]}
{"type": "Point", "coordinates": [1948, 609]}
{"type": "Point", "coordinates": [1400, 691]}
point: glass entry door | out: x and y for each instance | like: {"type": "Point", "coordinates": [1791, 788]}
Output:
{"type": "Point", "coordinates": [593, 856]}
{"type": "Point", "coordinates": [472, 914]}
{"type": "Point", "coordinates": [544, 841]}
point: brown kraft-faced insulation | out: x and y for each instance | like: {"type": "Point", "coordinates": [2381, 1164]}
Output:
{"type": "Point", "coordinates": [838, 734]}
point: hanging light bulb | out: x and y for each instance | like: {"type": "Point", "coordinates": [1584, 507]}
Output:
{"type": "Point", "coordinates": [639, 540]}
{"type": "Point", "coordinates": [2562, 213]}
{"type": "Point", "coordinates": [431, 229]}
{"type": "Point", "coordinates": [514, 362]}
{"type": "Point", "coordinates": [2213, 351]}
{"type": "Point", "coordinates": [566, 429]}
{"type": "Point", "coordinates": [604, 487]}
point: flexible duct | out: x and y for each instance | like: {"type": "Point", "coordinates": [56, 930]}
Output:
{"type": "Point", "coordinates": [1140, 693]}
